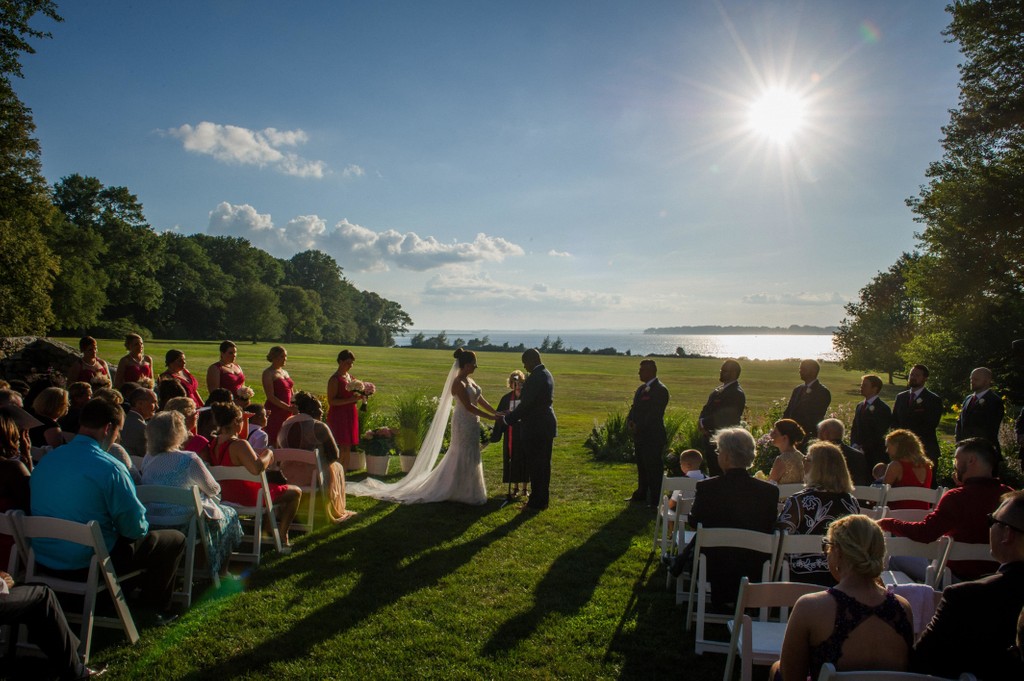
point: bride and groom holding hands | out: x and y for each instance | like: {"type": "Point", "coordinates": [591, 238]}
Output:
{"type": "Point", "coordinates": [460, 475]}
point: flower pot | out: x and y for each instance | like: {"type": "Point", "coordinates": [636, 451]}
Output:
{"type": "Point", "coordinates": [354, 461]}
{"type": "Point", "coordinates": [377, 465]}
{"type": "Point", "coordinates": [407, 462]}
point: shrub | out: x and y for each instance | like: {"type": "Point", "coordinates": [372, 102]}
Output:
{"type": "Point", "coordinates": [611, 440]}
{"type": "Point", "coordinates": [413, 412]}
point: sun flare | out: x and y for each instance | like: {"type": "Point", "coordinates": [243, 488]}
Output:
{"type": "Point", "coordinates": [777, 115]}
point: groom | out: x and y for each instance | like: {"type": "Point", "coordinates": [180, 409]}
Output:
{"type": "Point", "coordinates": [538, 419]}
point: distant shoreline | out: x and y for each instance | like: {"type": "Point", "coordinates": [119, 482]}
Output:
{"type": "Point", "coordinates": [713, 330]}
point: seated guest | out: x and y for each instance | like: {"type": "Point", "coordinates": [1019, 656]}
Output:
{"type": "Point", "coordinates": [832, 430]}
{"type": "Point", "coordinates": [10, 396]}
{"type": "Point", "coordinates": [81, 482]}
{"type": "Point", "coordinates": [78, 394]}
{"type": "Point", "coordinates": [306, 430]}
{"type": "Point", "coordinates": [732, 499]}
{"type": "Point", "coordinates": [48, 406]}
{"type": "Point", "coordinates": [117, 450]}
{"type": "Point", "coordinates": [856, 625]}
{"type": "Point", "coordinates": [126, 390]}
{"type": "Point", "coordinates": [257, 437]}
{"type": "Point", "coordinates": [788, 467]}
{"type": "Point", "coordinates": [206, 425]}
{"type": "Point", "coordinates": [973, 627]}
{"type": "Point", "coordinates": [136, 366]}
{"type": "Point", "coordinates": [962, 512]}
{"type": "Point", "coordinates": [142, 405]}
{"type": "Point", "coordinates": [195, 442]}
{"type": "Point", "coordinates": [176, 370]}
{"type": "Point", "coordinates": [15, 472]}
{"type": "Point", "coordinates": [36, 607]}
{"type": "Point", "coordinates": [228, 450]}
{"type": "Point", "coordinates": [908, 466]}
{"type": "Point", "coordinates": [690, 463]}
{"type": "Point", "coordinates": [811, 510]}
{"type": "Point", "coordinates": [89, 364]}
{"type": "Point", "coordinates": [168, 389]}
{"type": "Point", "coordinates": [167, 464]}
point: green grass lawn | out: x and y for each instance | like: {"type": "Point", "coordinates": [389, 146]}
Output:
{"type": "Point", "coordinates": [450, 591]}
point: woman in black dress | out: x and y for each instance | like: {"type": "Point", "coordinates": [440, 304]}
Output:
{"type": "Point", "coordinates": [513, 469]}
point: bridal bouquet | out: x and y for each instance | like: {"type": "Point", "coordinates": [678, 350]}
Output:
{"type": "Point", "coordinates": [378, 442]}
{"type": "Point", "coordinates": [245, 393]}
{"type": "Point", "coordinates": [364, 388]}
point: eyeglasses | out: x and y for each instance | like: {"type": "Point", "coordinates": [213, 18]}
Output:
{"type": "Point", "coordinates": [825, 544]}
{"type": "Point", "coordinates": [992, 520]}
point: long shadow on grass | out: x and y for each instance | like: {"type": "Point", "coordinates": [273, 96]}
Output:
{"type": "Point", "coordinates": [410, 548]}
{"type": "Point", "coordinates": [569, 583]}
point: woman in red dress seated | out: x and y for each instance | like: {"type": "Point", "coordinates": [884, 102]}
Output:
{"type": "Point", "coordinates": [135, 366]}
{"type": "Point", "coordinates": [908, 467]}
{"type": "Point", "coordinates": [225, 372]}
{"type": "Point", "coordinates": [176, 370]}
{"type": "Point", "coordinates": [227, 450]}
{"type": "Point", "coordinates": [89, 365]}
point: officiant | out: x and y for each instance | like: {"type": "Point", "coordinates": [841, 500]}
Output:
{"type": "Point", "coordinates": [513, 469]}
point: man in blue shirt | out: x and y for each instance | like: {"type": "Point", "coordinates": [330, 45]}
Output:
{"type": "Point", "coordinates": [81, 482]}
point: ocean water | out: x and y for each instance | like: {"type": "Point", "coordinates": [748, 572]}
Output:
{"type": "Point", "coordinates": [638, 343]}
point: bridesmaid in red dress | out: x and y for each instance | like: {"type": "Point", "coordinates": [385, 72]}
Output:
{"type": "Point", "coordinates": [175, 360]}
{"type": "Point", "coordinates": [135, 365]}
{"type": "Point", "coordinates": [89, 365]}
{"type": "Point", "coordinates": [277, 385]}
{"type": "Point", "coordinates": [225, 373]}
{"type": "Point", "coordinates": [343, 413]}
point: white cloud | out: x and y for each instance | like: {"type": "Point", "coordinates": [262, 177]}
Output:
{"type": "Point", "coordinates": [559, 254]}
{"type": "Point", "coordinates": [353, 170]}
{"type": "Point", "coordinates": [801, 298]}
{"type": "Point", "coordinates": [236, 145]}
{"type": "Point", "coordinates": [481, 289]}
{"type": "Point", "coordinates": [355, 247]}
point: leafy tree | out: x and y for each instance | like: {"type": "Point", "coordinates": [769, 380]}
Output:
{"type": "Point", "coordinates": [133, 249]}
{"type": "Point", "coordinates": [195, 289]}
{"type": "Point", "coordinates": [15, 31]}
{"type": "Point", "coordinates": [877, 327]}
{"type": "Point", "coordinates": [253, 312]}
{"type": "Point", "coordinates": [319, 273]}
{"type": "Point", "coordinates": [242, 261]}
{"type": "Point", "coordinates": [302, 312]}
{"type": "Point", "coordinates": [79, 291]}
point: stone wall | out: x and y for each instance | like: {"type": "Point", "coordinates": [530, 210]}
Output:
{"type": "Point", "coordinates": [30, 357]}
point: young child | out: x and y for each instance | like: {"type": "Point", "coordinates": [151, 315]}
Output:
{"type": "Point", "coordinates": [257, 437]}
{"type": "Point", "coordinates": [690, 462]}
{"type": "Point", "coordinates": [878, 473]}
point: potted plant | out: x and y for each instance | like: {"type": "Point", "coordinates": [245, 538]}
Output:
{"type": "Point", "coordinates": [378, 444]}
{"type": "Point", "coordinates": [413, 413]}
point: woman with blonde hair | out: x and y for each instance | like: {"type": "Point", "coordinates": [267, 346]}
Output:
{"type": "Point", "coordinates": [49, 406]}
{"type": "Point", "coordinates": [826, 498]}
{"type": "Point", "coordinates": [788, 467]}
{"type": "Point", "coordinates": [856, 625]}
{"type": "Point", "coordinates": [908, 466]}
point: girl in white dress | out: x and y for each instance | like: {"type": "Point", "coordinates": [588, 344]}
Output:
{"type": "Point", "coordinates": [460, 475]}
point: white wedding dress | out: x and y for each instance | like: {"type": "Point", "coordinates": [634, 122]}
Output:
{"type": "Point", "coordinates": [459, 476]}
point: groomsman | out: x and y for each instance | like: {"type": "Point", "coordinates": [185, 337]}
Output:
{"type": "Point", "coordinates": [539, 426]}
{"type": "Point", "coordinates": [919, 410]}
{"type": "Point", "coordinates": [809, 401]}
{"type": "Point", "coordinates": [871, 422]}
{"type": "Point", "coordinates": [646, 421]}
{"type": "Point", "coordinates": [723, 409]}
{"type": "Point", "coordinates": [982, 410]}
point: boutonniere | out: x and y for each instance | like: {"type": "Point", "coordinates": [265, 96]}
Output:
{"type": "Point", "coordinates": [871, 407]}
{"type": "Point", "coordinates": [807, 391]}
{"type": "Point", "coordinates": [981, 402]}
{"type": "Point", "coordinates": [647, 388]}
{"type": "Point", "coordinates": [918, 401]}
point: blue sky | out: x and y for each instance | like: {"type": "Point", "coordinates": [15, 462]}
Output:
{"type": "Point", "coordinates": [519, 165]}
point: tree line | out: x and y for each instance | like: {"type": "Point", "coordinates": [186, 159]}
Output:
{"type": "Point", "coordinates": [956, 302]}
{"type": "Point", "coordinates": [79, 257]}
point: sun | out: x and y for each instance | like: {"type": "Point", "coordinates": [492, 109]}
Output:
{"type": "Point", "coordinates": [777, 115]}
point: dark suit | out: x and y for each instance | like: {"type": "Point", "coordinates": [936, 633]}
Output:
{"type": "Point", "coordinates": [733, 499]}
{"type": "Point", "coordinates": [973, 627]}
{"type": "Point", "coordinates": [860, 472]}
{"type": "Point", "coordinates": [723, 409]}
{"type": "Point", "coordinates": [980, 417]}
{"type": "Point", "coordinates": [870, 424]}
{"type": "Point", "coordinates": [539, 429]}
{"type": "Point", "coordinates": [921, 417]}
{"type": "Point", "coordinates": [648, 418]}
{"type": "Point", "coordinates": [807, 406]}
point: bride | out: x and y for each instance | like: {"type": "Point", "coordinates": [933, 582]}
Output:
{"type": "Point", "coordinates": [460, 475]}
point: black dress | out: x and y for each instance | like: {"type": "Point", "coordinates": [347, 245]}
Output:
{"type": "Point", "coordinates": [513, 468]}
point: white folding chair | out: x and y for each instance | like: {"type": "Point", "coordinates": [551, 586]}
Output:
{"type": "Point", "coordinates": [721, 537]}
{"type": "Point", "coordinates": [687, 488]}
{"type": "Point", "coordinates": [925, 494]}
{"type": "Point", "coordinates": [680, 537]}
{"type": "Point", "coordinates": [829, 673]}
{"type": "Point", "coordinates": [19, 550]}
{"type": "Point", "coordinates": [263, 509]}
{"type": "Point", "coordinates": [309, 487]}
{"type": "Point", "coordinates": [933, 552]}
{"type": "Point", "coordinates": [187, 513]}
{"type": "Point", "coordinates": [791, 545]}
{"type": "Point", "coordinates": [789, 489]}
{"type": "Point", "coordinates": [101, 575]}
{"type": "Point", "coordinates": [865, 494]}
{"type": "Point", "coordinates": [962, 551]}
{"type": "Point", "coordinates": [876, 513]}
{"type": "Point", "coordinates": [759, 641]}
{"type": "Point", "coordinates": [137, 462]}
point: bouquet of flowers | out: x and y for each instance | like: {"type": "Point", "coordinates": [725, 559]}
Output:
{"type": "Point", "coordinates": [245, 393]}
{"type": "Point", "coordinates": [364, 388]}
{"type": "Point", "coordinates": [378, 442]}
